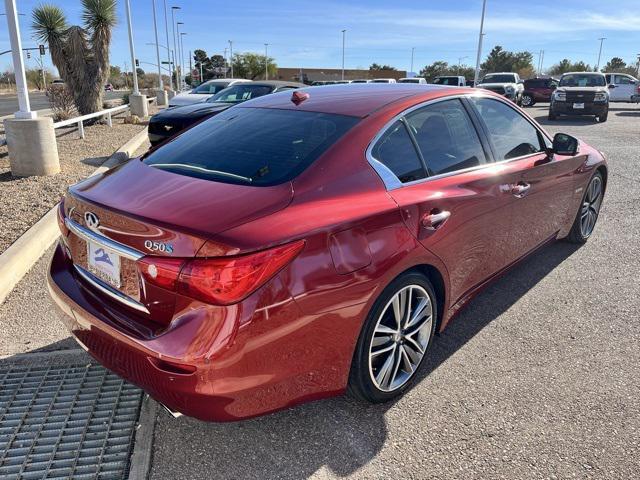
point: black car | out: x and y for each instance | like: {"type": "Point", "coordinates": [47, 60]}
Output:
{"type": "Point", "coordinates": [581, 93]}
{"type": "Point", "coordinates": [169, 122]}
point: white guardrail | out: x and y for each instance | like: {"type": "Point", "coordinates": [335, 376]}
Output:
{"type": "Point", "coordinates": [79, 120]}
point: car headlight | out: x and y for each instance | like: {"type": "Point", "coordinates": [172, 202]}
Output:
{"type": "Point", "coordinates": [600, 97]}
{"type": "Point", "coordinates": [560, 96]}
{"type": "Point", "coordinates": [509, 89]}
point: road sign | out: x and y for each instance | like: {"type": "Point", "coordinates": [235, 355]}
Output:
{"type": "Point", "coordinates": [41, 47]}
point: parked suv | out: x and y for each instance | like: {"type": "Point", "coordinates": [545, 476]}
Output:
{"type": "Point", "coordinates": [623, 88]}
{"type": "Point", "coordinates": [538, 90]}
{"type": "Point", "coordinates": [507, 84]}
{"type": "Point", "coordinates": [581, 93]}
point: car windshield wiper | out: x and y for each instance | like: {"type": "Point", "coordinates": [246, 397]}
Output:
{"type": "Point", "coordinates": [200, 169]}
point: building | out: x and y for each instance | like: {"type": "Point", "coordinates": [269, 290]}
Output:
{"type": "Point", "coordinates": [308, 75]}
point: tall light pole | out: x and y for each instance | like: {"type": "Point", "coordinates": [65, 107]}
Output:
{"type": "Point", "coordinates": [343, 39]}
{"type": "Point", "coordinates": [460, 62]}
{"type": "Point", "coordinates": [602, 39]}
{"type": "Point", "coordinates": [413, 50]}
{"type": "Point", "coordinates": [24, 107]}
{"type": "Point", "coordinates": [175, 48]}
{"type": "Point", "coordinates": [182, 70]}
{"type": "Point", "coordinates": [155, 29]}
{"type": "Point", "coordinates": [477, 74]}
{"type": "Point", "coordinates": [231, 56]}
{"type": "Point", "coordinates": [131, 49]}
{"type": "Point", "coordinates": [266, 61]}
{"type": "Point", "coordinates": [226, 61]}
{"type": "Point", "coordinates": [179, 54]}
{"type": "Point", "coordinates": [166, 31]}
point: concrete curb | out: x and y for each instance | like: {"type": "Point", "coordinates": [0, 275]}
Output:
{"type": "Point", "coordinates": [140, 461]}
{"type": "Point", "coordinates": [22, 254]}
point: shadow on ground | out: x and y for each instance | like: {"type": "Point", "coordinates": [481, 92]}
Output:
{"type": "Point", "coordinates": [340, 434]}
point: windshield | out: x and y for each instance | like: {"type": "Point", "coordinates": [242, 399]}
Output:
{"type": "Point", "coordinates": [240, 93]}
{"type": "Point", "coordinates": [446, 81]}
{"type": "Point", "coordinates": [210, 88]}
{"type": "Point", "coordinates": [582, 80]}
{"type": "Point", "coordinates": [499, 79]}
{"type": "Point", "coordinates": [251, 146]}
{"type": "Point", "coordinates": [410, 80]}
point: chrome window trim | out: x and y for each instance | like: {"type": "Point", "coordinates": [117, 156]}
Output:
{"type": "Point", "coordinates": [110, 291]}
{"type": "Point", "coordinates": [392, 182]}
{"type": "Point", "coordinates": [86, 234]}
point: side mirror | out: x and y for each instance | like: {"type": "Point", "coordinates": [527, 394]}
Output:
{"type": "Point", "coordinates": [564, 144]}
{"type": "Point", "coordinates": [611, 85]}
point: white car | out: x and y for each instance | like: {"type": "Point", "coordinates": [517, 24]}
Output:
{"type": "Point", "coordinates": [384, 80]}
{"type": "Point", "coordinates": [204, 91]}
{"type": "Point", "coordinates": [623, 88]}
{"type": "Point", "coordinates": [412, 80]}
{"type": "Point", "coordinates": [507, 84]}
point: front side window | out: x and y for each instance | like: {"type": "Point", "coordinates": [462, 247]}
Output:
{"type": "Point", "coordinates": [240, 93]}
{"type": "Point", "coordinates": [624, 80]}
{"type": "Point", "coordinates": [504, 78]}
{"type": "Point", "coordinates": [446, 137]}
{"type": "Point", "coordinates": [511, 134]}
{"type": "Point", "coordinates": [396, 151]}
{"type": "Point", "coordinates": [251, 146]}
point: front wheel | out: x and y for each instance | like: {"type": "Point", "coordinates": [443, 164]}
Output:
{"type": "Point", "coordinates": [589, 211]}
{"type": "Point", "coordinates": [527, 100]}
{"type": "Point", "coordinates": [603, 118]}
{"type": "Point", "coordinates": [552, 115]}
{"type": "Point", "coordinates": [394, 340]}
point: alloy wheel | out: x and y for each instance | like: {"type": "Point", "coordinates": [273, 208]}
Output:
{"type": "Point", "coordinates": [526, 100]}
{"type": "Point", "coordinates": [400, 338]}
{"type": "Point", "coordinates": [591, 206]}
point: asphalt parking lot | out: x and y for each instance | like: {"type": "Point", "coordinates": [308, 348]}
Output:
{"type": "Point", "coordinates": [538, 378]}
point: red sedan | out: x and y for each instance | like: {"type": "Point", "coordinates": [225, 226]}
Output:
{"type": "Point", "coordinates": [300, 245]}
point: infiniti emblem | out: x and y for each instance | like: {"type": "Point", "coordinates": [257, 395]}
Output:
{"type": "Point", "coordinates": [91, 220]}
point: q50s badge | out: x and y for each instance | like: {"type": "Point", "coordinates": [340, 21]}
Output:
{"type": "Point", "coordinates": [158, 246]}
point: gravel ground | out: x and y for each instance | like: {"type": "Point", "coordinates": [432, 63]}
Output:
{"type": "Point", "coordinates": [538, 378]}
{"type": "Point", "coordinates": [26, 200]}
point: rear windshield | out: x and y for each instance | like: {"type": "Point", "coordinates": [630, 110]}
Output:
{"type": "Point", "coordinates": [410, 80]}
{"type": "Point", "coordinates": [209, 88]}
{"type": "Point", "coordinates": [240, 93]}
{"type": "Point", "coordinates": [251, 146]}
{"type": "Point", "coordinates": [446, 81]}
{"type": "Point", "coordinates": [499, 79]}
{"type": "Point", "coordinates": [582, 80]}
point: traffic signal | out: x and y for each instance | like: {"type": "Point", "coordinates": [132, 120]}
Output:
{"type": "Point", "coordinates": [28, 54]}
{"type": "Point", "coordinates": [41, 47]}
{"type": "Point", "coordinates": [137, 62]}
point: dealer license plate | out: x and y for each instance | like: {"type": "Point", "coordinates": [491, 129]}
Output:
{"type": "Point", "coordinates": [104, 263]}
{"type": "Point", "coordinates": [578, 106]}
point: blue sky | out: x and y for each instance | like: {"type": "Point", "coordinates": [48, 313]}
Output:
{"type": "Point", "coordinates": [308, 33]}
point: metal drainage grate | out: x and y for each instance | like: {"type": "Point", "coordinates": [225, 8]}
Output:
{"type": "Point", "coordinates": [66, 422]}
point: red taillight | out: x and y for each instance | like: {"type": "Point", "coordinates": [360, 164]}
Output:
{"type": "Point", "coordinates": [161, 271]}
{"type": "Point", "coordinates": [60, 218]}
{"type": "Point", "coordinates": [219, 281]}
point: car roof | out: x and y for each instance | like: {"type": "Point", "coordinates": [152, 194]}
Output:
{"type": "Point", "coordinates": [358, 100]}
{"type": "Point", "coordinates": [583, 73]}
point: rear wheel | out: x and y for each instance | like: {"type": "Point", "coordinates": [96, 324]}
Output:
{"type": "Point", "coordinates": [527, 100]}
{"type": "Point", "coordinates": [394, 340]}
{"type": "Point", "coordinates": [589, 211]}
{"type": "Point", "coordinates": [552, 115]}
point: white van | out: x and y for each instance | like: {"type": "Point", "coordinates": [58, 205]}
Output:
{"type": "Point", "coordinates": [412, 80]}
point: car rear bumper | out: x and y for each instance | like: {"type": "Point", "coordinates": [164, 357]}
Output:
{"type": "Point", "coordinates": [566, 108]}
{"type": "Point", "coordinates": [248, 359]}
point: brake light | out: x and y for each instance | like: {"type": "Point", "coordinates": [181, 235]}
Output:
{"type": "Point", "coordinates": [220, 280]}
{"type": "Point", "coordinates": [224, 281]}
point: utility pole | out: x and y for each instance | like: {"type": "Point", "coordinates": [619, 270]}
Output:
{"type": "Point", "coordinates": [602, 39]}
{"type": "Point", "coordinates": [266, 61]}
{"type": "Point", "coordinates": [231, 56]}
{"type": "Point", "coordinates": [477, 74]}
{"type": "Point", "coordinates": [343, 40]}
{"type": "Point", "coordinates": [413, 49]}
{"type": "Point", "coordinates": [175, 47]}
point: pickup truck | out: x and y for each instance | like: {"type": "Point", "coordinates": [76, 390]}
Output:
{"type": "Point", "coordinates": [507, 84]}
{"type": "Point", "coordinates": [623, 88]}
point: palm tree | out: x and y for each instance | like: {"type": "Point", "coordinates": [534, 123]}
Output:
{"type": "Point", "coordinates": [81, 54]}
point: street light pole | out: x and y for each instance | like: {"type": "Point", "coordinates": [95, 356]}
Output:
{"type": "Point", "coordinates": [460, 63]}
{"type": "Point", "coordinates": [602, 39]}
{"type": "Point", "coordinates": [266, 61]}
{"type": "Point", "coordinates": [477, 73]}
{"type": "Point", "coordinates": [155, 29]}
{"type": "Point", "coordinates": [131, 49]}
{"type": "Point", "coordinates": [179, 54]}
{"type": "Point", "coordinates": [24, 106]}
{"type": "Point", "coordinates": [231, 56]}
{"type": "Point", "coordinates": [343, 41]}
{"type": "Point", "coordinates": [182, 70]}
{"type": "Point", "coordinates": [166, 31]}
{"type": "Point", "coordinates": [413, 49]}
{"type": "Point", "coordinates": [175, 48]}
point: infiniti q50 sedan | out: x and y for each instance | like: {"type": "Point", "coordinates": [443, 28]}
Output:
{"type": "Point", "coordinates": [307, 243]}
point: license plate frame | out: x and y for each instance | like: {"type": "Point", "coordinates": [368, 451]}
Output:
{"type": "Point", "coordinates": [104, 263]}
{"type": "Point", "coordinates": [578, 106]}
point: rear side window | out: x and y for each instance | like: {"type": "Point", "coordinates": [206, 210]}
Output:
{"type": "Point", "coordinates": [251, 146]}
{"type": "Point", "coordinates": [511, 134]}
{"type": "Point", "coordinates": [446, 137]}
{"type": "Point", "coordinates": [396, 151]}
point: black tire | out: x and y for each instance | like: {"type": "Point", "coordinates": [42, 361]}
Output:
{"type": "Point", "coordinates": [527, 100]}
{"type": "Point", "coordinates": [552, 115]}
{"type": "Point", "coordinates": [361, 384]}
{"type": "Point", "coordinates": [603, 118]}
{"type": "Point", "coordinates": [577, 234]}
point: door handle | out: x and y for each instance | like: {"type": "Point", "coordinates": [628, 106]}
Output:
{"type": "Point", "coordinates": [518, 190]}
{"type": "Point", "coordinates": [435, 219]}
